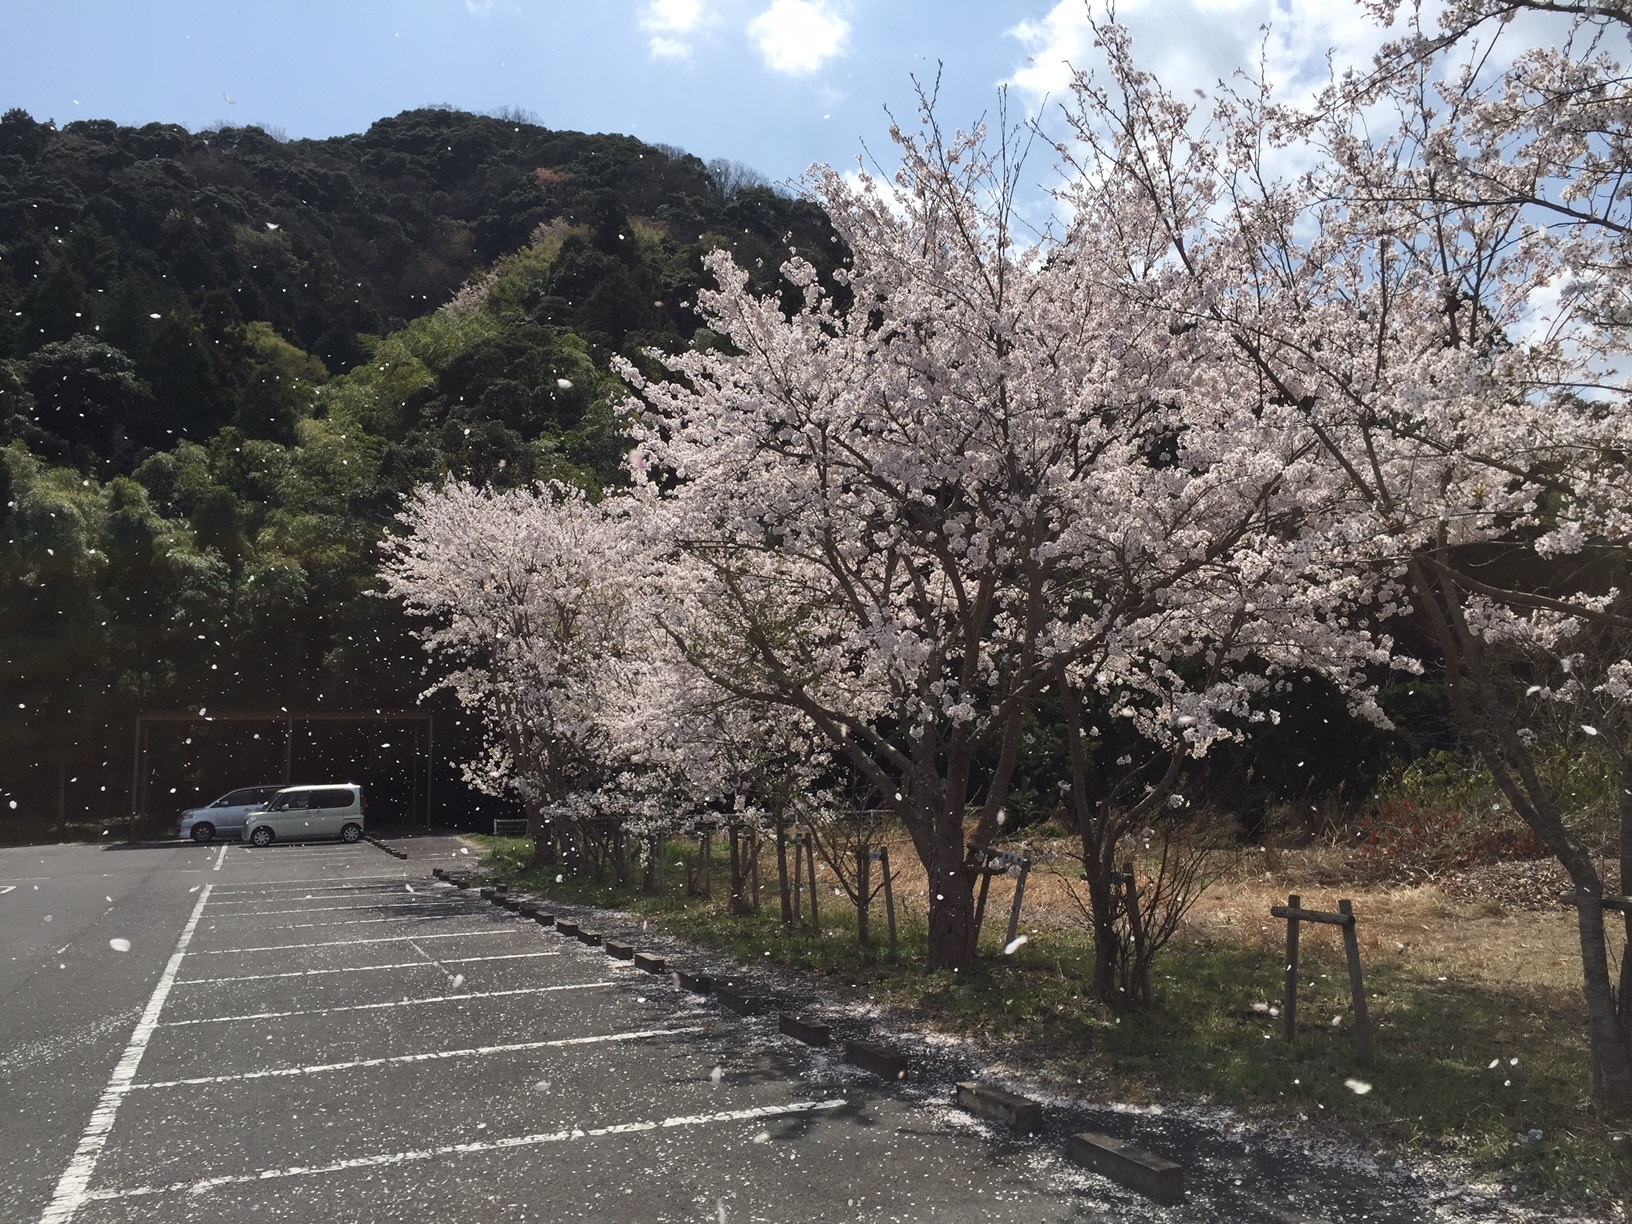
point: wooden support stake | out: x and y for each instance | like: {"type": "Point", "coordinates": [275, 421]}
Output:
{"type": "Point", "coordinates": [864, 883]}
{"type": "Point", "coordinates": [798, 842]}
{"type": "Point", "coordinates": [1357, 985]}
{"type": "Point", "coordinates": [810, 862]}
{"type": "Point", "coordinates": [1289, 1008]}
{"type": "Point", "coordinates": [980, 901]}
{"type": "Point", "coordinates": [754, 867]}
{"type": "Point", "coordinates": [1019, 896]}
{"type": "Point", "coordinates": [889, 897]}
{"type": "Point", "coordinates": [784, 896]}
{"type": "Point", "coordinates": [707, 864]}
{"type": "Point", "coordinates": [1136, 923]}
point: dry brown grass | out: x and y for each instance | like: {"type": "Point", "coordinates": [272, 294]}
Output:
{"type": "Point", "coordinates": [1417, 927]}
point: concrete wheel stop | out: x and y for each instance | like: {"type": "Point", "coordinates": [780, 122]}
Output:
{"type": "Point", "coordinates": [696, 983]}
{"type": "Point", "coordinates": [882, 1062]}
{"type": "Point", "coordinates": [802, 1028]}
{"type": "Point", "coordinates": [734, 998]}
{"type": "Point", "coordinates": [619, 950]}
{"type": "Point", "coordinates": [1153, 1176]}
{"type": "Point", "coordinates": [648, 962]}
{"type": "Point", "coordinates": [1020, 1113]}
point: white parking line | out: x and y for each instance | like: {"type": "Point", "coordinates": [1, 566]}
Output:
{"type": "Point", "coordinates": [514, 928]}
{"type": "Point", "coordinates": [284, 895]}
{"type": "Point", "coordinates": [406, 903]}
{"type": "Point", "coordinates": [419, 918]}
{"type": "Point", "coordinates": [429, 1056]}
{"type": "Point", "coordinates": [384, 1159]}
{"type": "Point", "coordinates": [452, 998]}
{"type": "Point", "coordinates": [218, 859]}
{"type": "Point", "coordinates": [76, 1178]}
{"type": "Point", "coordinates": [307, 882]}
{"type": "Point", "coordinates": [340, 909]}
{"type": "Point", "coordinates": [419, 964]}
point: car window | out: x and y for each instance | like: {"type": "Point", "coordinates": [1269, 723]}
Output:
{"type": "Point", "coordinates": [238, 798]}
{"type": "Point", "coordinates": [337, 798]}
{"type": "Point", "coordinates": [293, 801]}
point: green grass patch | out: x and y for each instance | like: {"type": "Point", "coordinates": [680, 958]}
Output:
{"type": "Point", "coordinates": [1433, 1088]}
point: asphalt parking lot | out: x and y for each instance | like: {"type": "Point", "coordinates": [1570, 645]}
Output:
{"type": "Point", "coordinates": [320, 1032]}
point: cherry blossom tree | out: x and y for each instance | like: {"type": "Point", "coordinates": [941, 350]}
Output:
{"type": "Point", "coordinates": [549, 615]}
{"type": "Point", "coordinates": [970, 472]}
{"type": "Point", "coordinates": [533, 599]}
{"type": "Point", "coordinates": [1439, 302]}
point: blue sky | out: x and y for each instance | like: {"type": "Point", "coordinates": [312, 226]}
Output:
{"type": "Point", "coordinates": [776, 84]}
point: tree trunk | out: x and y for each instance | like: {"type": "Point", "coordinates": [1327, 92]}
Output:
{"type": "Point", "coordinates": [1479, 708]}
{"type": "Point", "coordinates": [1098, 858]}
{"type": "Point", "coordinates": [543, 834]}
{"type": "Point", "coordinates": [1623, 1001]}
{"type": "Point", "coordinates": [782, 869]}
{"type": "Point", "coordinates": [1611, 1065]}
{"type": "Point", "coordinates": [939, 842]}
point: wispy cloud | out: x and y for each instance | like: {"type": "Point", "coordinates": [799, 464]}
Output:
{"type": "Point", "coordinates": [798, 36]}
{"type": "Point", "coordinates": [670, 24]}
{"type": "Point", "coordinates": [1192, 44]}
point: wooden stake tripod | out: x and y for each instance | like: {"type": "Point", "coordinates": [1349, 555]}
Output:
{"type": "Point", "coordinates": [865, 893]}
{"type": "Point", "coordinates": [1294, 913]}
{"type": "Point", "coordinates": [982, 860]}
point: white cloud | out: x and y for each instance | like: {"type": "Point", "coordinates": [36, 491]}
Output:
{"type": "Point", "coordinates": [670, 24]}
{"type": "Point", "coordinates": [798, 36]}
{"type": "Point", "coordinates": [663, 47]}
{"type": "Point", "coordinates": [1192, 44]}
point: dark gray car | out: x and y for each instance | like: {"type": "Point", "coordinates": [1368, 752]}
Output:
{"type": "Point", "coordinates": [225, 816]}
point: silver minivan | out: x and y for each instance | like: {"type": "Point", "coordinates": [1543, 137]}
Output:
{"type": "Point", "coordinates": [224, 817]}
{"type": "Point", "coordinates": [296, 813]}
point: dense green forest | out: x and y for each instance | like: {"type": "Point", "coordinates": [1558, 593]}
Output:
{"type": "Point", "coordinates": [225, 357]}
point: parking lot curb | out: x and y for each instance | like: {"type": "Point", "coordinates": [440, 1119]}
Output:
{"type": "Point", "coordinates": [882, 1062]}
{"type": "Point", "coordinates": [389, 849]}
{"type": "Point", "coordinates": [740, 1001]}
{"type": "Point", "coordinates": [802, 1028]}
{"type": "Point", "coordinates": [1020, 1113]}
{"type": "Point", "coordinates": [1153, 1176]}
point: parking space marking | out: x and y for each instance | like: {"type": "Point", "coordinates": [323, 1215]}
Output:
{"type": "Point", "coordinates": [514, 1047]}
{"type": "Point", "coordinates": [254, 885]}
{"type": "Point", "coordinates": [385, 1159]}
{"type": "Point", "coordinates": [348, 1007]}
{"type": "Point", "coordinates": [404, 918]}
{"type": "Point", "coordinates": [218, 859]}
{"type": "Point", "coordinates": [340, 909]}
{"type": "Point", "coordinates": [419, 964]}
{"type": "Point", "coordinates": [75, 1181]}
{"type": "Point", "coordinates": [514, 928]}
{"type": "Point", "coordinates": [407, 903]}
{"type": "Point", "coordinates": [284, 895]}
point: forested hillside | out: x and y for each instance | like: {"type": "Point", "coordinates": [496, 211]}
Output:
{"type": "Point", "coordinates": [225, 357]}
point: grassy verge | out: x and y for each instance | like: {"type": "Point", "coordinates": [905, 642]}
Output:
{"type": "Point", "coordinates": [1463, 1067]}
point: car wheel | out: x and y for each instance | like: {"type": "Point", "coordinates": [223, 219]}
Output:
{"type": "Point", "coordinates": [261, 837]}
{"type": "Point", "coordinates": [351, 833]}
{"type": "Point", "coordinates": [203, 832]}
